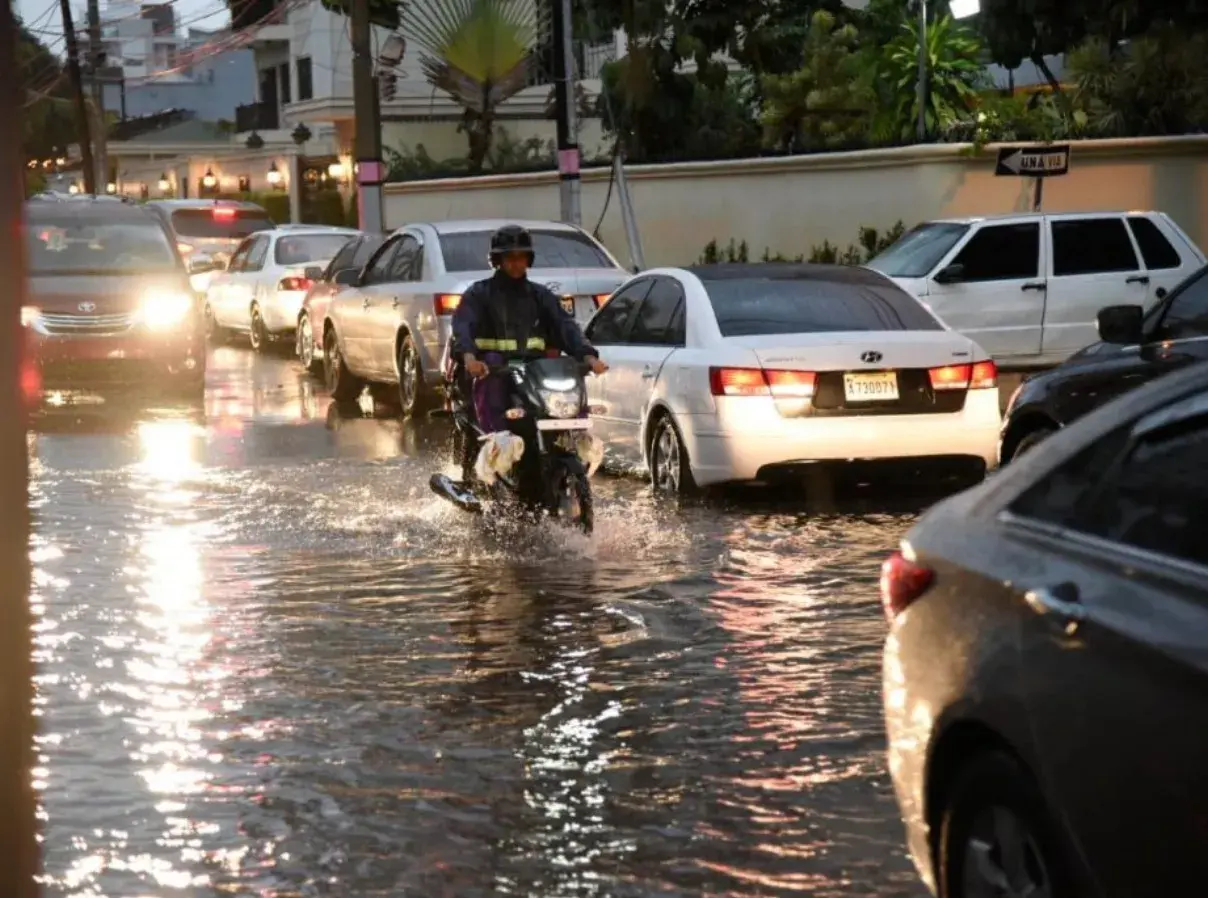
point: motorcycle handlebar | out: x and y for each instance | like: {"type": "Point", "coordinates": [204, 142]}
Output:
{"type": "Point", "coordinates": [493, 370]}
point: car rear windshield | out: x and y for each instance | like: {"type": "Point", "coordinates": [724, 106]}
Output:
{"type": "Point", "coordinates": [63, 245]}
{"type": "Point", "coordinates": [468, 250]}
{"type": "Point", "coordinates": [919, 250]}
{"type": "Point", "coordinates": [755, 307]}
{"type": "Point", "coordinates": [302, 249]}
{"type": "Point", "coordinates": [219, 223]}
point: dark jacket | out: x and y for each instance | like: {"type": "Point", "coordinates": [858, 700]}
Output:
{"type": "Point", "coordinates": [509, 316]}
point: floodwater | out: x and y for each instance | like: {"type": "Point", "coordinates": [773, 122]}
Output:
{"type": "Point", "coordinates": [272, 663]}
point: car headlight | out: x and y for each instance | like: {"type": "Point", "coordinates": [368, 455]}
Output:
{"type": "Point", "coordinates": [30, 315]}
{"type": "Point", "coordinates": [162, 309]}
{"type": "Point", "coordinates": [562, 403]}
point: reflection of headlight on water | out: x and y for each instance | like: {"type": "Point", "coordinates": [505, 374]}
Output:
{"type": "Point", "coordinates": [167, 308]}
{"type": "Point", "coordinates": [562, 404]}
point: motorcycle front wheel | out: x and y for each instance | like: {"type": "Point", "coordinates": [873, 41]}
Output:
{"type": "Point", "coordinates": [574, 501]}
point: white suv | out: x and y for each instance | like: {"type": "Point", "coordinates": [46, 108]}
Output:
{"type": "Point", "coordinates": [1027, 287]}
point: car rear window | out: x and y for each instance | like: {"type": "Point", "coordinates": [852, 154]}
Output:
{"type": "Point", "coordinates": [219, 223]}
{"type": "Point", "coordinates": [301, 249]}
{"type": "Point", "coordinates": [64, 245]}
{"type": "Point", "coordinates": [1155, 248]}
{"type": "Point", "coordinates": [756, 307]}
{"type": "Point", "coordinates": [468, 250]}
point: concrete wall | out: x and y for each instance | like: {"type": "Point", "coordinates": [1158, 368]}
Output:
{"type": "Point", "coordinates": [788, 205]}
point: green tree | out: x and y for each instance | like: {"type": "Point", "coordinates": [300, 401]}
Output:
{"type": "Point", "coordinates": [477, 51]}
{"type": "Point", "coordinates": [954, 75]}
{"type": "Point", "coordinates": [827, 102]}
{"type": "Point", "coordinates": [48, 123]}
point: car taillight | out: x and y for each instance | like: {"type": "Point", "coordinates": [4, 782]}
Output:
{"type": "Point", "coordinates": [760, 382]}
{"type": "Point", "coordinates": [446, 303]}
{"type": "Point", "coordinates": [224, 213]}
{"type": "Point", "coordinates": [984, 377]}
{"type": "Point", "coordinates": [902, 581]}
{"type": "Point", "coordinates": [950, 377]}
{"type": "Point", "coordinates": [294, 283]}
{"type": "Point", "coordinates": [601, 298]}
{"type": "Point", "coordinates": [31, 381]}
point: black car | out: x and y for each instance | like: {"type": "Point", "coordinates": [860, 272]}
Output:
{"type": "Point", "coordinates": [1135, 348]}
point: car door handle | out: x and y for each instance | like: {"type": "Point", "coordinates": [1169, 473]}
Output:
{"type": "Point", "coordinates": [1137, 279]}
{"type": "Point", "coordinates": [647, 373]}
{"type": "Point", "coordinates": [1035, 285]}
{"type": "Point", "coordinates": [1061, 601]}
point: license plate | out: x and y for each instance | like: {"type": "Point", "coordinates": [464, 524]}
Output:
{"type": "Point", "coordinates": [568, 304]}
{"type": "Point", "coordinates": [871, 387]}
{"type": "Point", "coordinates": [565, 424]}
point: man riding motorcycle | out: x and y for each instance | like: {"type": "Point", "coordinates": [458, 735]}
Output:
{"type": "Point", "coordinates": [507, 316]}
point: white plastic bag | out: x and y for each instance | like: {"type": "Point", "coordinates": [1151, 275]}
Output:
{"type": "Point", "coordinates": [498, 455]}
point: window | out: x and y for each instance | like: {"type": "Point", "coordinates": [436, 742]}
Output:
{"type": "Point", "coordinates": [366, 247]}
{"type": "Point", "coordinates": [1002, 253]}
{"type": "Point", "coordinates": [240, 256]}
{"type": "Point", "coordinates": [305, 249]}
{"type": "Point", "coordinates": [1091, 246]}
{"type": "Point", "coordinates": [1055, 499]}
{"type": "Point", "coordinates": [306, 78]}
{"type": "Point", "coordinates": [283, 79]}
{"type": "Point", "coordinates": [1155, 248]}
{"type": "Point", "coordinates": [1187, 310]}
{"type": "Point", "coordinates": [612, 322]}
{"type": "Point", "coordinates": [468, 250]}
{"type": "Point", "coordinates": [205, 224]}
{"type": "Point", "coordinates": [344, 259]}
{"type": "Point", "coordinates": [652, 325]}
{"type": "Point", "coordinates": [70, 243]}
{"type": "Point", "coordinates": [379, 269]}
{"type": "Point", "coordinates": [408, 264]}
{"type": "Point", "coordinates": [256, 254]}
{"type": "Point", "coordinates": [754, 306]}
{"type": "Point", "coordinates": [919, 250]}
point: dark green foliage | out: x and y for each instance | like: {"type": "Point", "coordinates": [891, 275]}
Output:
{"type": "Point", "coordinates": [870, 242]}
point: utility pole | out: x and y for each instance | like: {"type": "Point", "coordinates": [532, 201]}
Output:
{"type": "Point", "coordinates": [77, 90]}
{"type": "Point", "coordinates": [370, 173]}
{"type": "Point", "coordinates": [96, 57]}
{"type": "Point", "coordinates": [922, 85]}
{"type": "Point", "coordinates": [564, 105]}
{"type": "Point", "coordinates": [18, 825]}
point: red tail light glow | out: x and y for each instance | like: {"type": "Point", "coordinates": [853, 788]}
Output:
{"type": "Point", "coordinates": [758, 382]}
{"type": "Point", "coordinates": [950, 377]}
{"type": "Point", "coordinates": [295, 283]}
{"type": "Point", "coordinates": [902, 582]}
{"type": "Point", "coordinates": [31, 381]}
{"type": "Point", "coordinates": [984, 377]}
{"type": "Point", "coordinates": [601, 298]}
{"type": "Point", "coordinates": [224, 213]}
{"type": "Point", "coordinates": [446, 303]}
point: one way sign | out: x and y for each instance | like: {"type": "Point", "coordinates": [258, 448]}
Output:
{"type": "Point", "coordinates": [1033, 162]}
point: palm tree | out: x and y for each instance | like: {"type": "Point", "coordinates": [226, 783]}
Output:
{"type": "Point", "coordinates": [477, 51]}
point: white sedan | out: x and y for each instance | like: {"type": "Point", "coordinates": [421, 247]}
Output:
{"type": "Point", "coordinates": [260, 292]}
{"type": "Point", "coordinates": [725, 373]}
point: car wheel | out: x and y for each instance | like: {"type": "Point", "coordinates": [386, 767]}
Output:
{"type": "Point", "coordinates": [670, 473]}
{"type": "Point", "coordinates": [413, 398]}
{"type": "Point", "coordinates": [257, 333]}
{"type": "Point", "coordinates": [304, 344]}
{"type": "Point", "coordinates": [215, 333]}
{"type": "Point", "coordinates": [343, 385]}
{"type": "Point", "coordinates": [996, 837]}
{"type": "Point", "coordinates": [1031, 440]}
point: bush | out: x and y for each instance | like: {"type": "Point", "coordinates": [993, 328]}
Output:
{"type": "Point", "coordinates": [869, 244]}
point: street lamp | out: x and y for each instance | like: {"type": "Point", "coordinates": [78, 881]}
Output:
{"type": "Point", "coordinates": [111, 187]}
{"type": "Point", "coordinates": [335, 171]}
{"type": "Point", "coordinates": [960, 9]}
{"type": "Point", "coordinates": [274, 176]}
{"type": "Point", "coordinates": [164, 184]}
{"type": "Point", "coordinates": [208, 181]}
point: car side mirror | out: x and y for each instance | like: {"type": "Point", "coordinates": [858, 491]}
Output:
{"type": "Point", "coordinates": [313, 273]}
{"type": "Point", "coordinates": [346, 277]}
{"type": "Point", "coordinates": [953, 274]}
{"type": "Point", "coordinates": [636, 269]}
{"type": "Point", "coordinates": [200, 264]}
{"type": "Point", "coordinates": [1122, 325]}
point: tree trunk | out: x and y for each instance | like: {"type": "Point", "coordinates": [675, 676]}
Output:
{"type": "Point", "coordinates": [1038, 61]}
{"type": "Point", "coordinates": [479, 127]}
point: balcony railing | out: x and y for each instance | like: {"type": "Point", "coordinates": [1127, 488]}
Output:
{"type": "Point", "coordinates": [256, 117]}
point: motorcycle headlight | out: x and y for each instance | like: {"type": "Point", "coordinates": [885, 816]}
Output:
{"type": "Point", "coordinates": [562, 403]}
{"type": "Point", "coordinates": [164, 309]}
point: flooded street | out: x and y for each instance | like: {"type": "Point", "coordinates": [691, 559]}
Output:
{"type": "Point", "coordinates": [272, 663]}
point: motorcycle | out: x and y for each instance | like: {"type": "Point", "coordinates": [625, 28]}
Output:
{"type": "Point", "coordinates": [548, 412]}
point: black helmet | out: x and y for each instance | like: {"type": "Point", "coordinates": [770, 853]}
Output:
{"type": "Point", "coordinates": [510, 239]}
